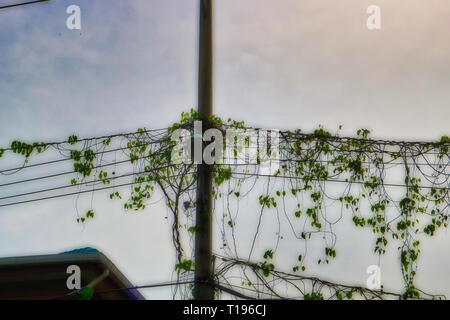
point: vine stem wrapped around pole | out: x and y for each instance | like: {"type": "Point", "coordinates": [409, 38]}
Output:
{"type": "Point", "coordinates": [203, 236]}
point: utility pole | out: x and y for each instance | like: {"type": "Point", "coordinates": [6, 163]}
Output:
{"type": "Point", "coordinates": [203, 289]}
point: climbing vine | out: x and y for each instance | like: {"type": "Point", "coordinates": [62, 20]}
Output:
{"type": "Point", "coordinates": [319, 180]}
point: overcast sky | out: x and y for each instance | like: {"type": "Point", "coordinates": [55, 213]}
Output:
{"type": "Point", "coordinates": [278, 64]}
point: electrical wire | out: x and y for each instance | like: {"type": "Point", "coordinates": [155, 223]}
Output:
{"type": "Point", "coordinates": [83, 183]}
{"type": "Point", "coordinates": [67, 159]}
{"type": "Point", "coordinates": [137, 173]}
{"type": "Point", "coordinates": [69, 172]}
{"type": "Point", "coordinates": [22, 4]}
{"type": "Point", "coordinates": [146, 286]}
{"type": "Point", "coordinates": [76, 193]}
{"type": "Point", "coordinates": [104, 137]}
{"type": "Point", "coordinates": [331, 180]}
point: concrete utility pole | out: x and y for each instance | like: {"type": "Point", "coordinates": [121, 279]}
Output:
{"type": "Point", "coordinates": [203, 235]}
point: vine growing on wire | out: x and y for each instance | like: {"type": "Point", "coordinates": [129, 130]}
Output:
{"type": "Point", "coordinates": [396, 190]}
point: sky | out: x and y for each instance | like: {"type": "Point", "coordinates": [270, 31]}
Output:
{"type": "Point", "coordinates": [278, 64]}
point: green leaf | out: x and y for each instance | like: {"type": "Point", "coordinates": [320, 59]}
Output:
{"type": "Point", "coordinates": [87, 293]}
{"type": "Point", "coordinates": [90, 214]}
{"type": "Point", "coordinates": [192, 229]}
{"type": "Point", "coordinates": [268, 254]}
{"type": "Point", "coordinates": [73, 139]}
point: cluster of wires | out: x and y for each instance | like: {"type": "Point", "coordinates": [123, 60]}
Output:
{"type": "Point", "coordinates": [114, 153]}
{"type": "Point", "coordinates": [415, 150]}
{"type": "Point", "coordinates": [59, 167]}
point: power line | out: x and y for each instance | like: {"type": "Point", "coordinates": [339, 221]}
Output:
{"type": "Point", "coordinates": [125, 148]}
{"type": "Point", "coordinates": [231, 291]}
{"type": "Point", "coordinates": [130, 174]}
{"type": "Point", "coordinates": [146, 131]}
{"type": "Point", "coordinates": [142, 172]}
{"type": "Point", "coordinates": [69, 172]}
{"type": "Point", "coordinates": [125, 161]}
{"type": "Point", "coordinates": [75, 193]}
{"type": "Point", "coordinates": [176, 283]}
{"type": "Point", "coordinates": [104, 137]}
{"type": "Point", "coordinates": [330, 180]}
{"type": "Point", "coordinates": [146, 286]}
{"type": "Point", "coordinates": [306, 136]}
{"type": "Point", "coordinates": [295, 133]}
{"type": "Point", "coordinates": [22, 4]}
{"type": "Point", "coordinates": [83, 183]}
{"type": "Point", "coordinates": [64, 195]}
{"type": "Point", "coordinates": [331, 161]}
{"type": "Point", "coordinates": [288, 276]}
{"type": "Point", "coordinates": [68, 159]}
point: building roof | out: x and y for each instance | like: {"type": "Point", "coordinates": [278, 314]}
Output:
{"type": "Point", "coordinates": [43, 277]}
